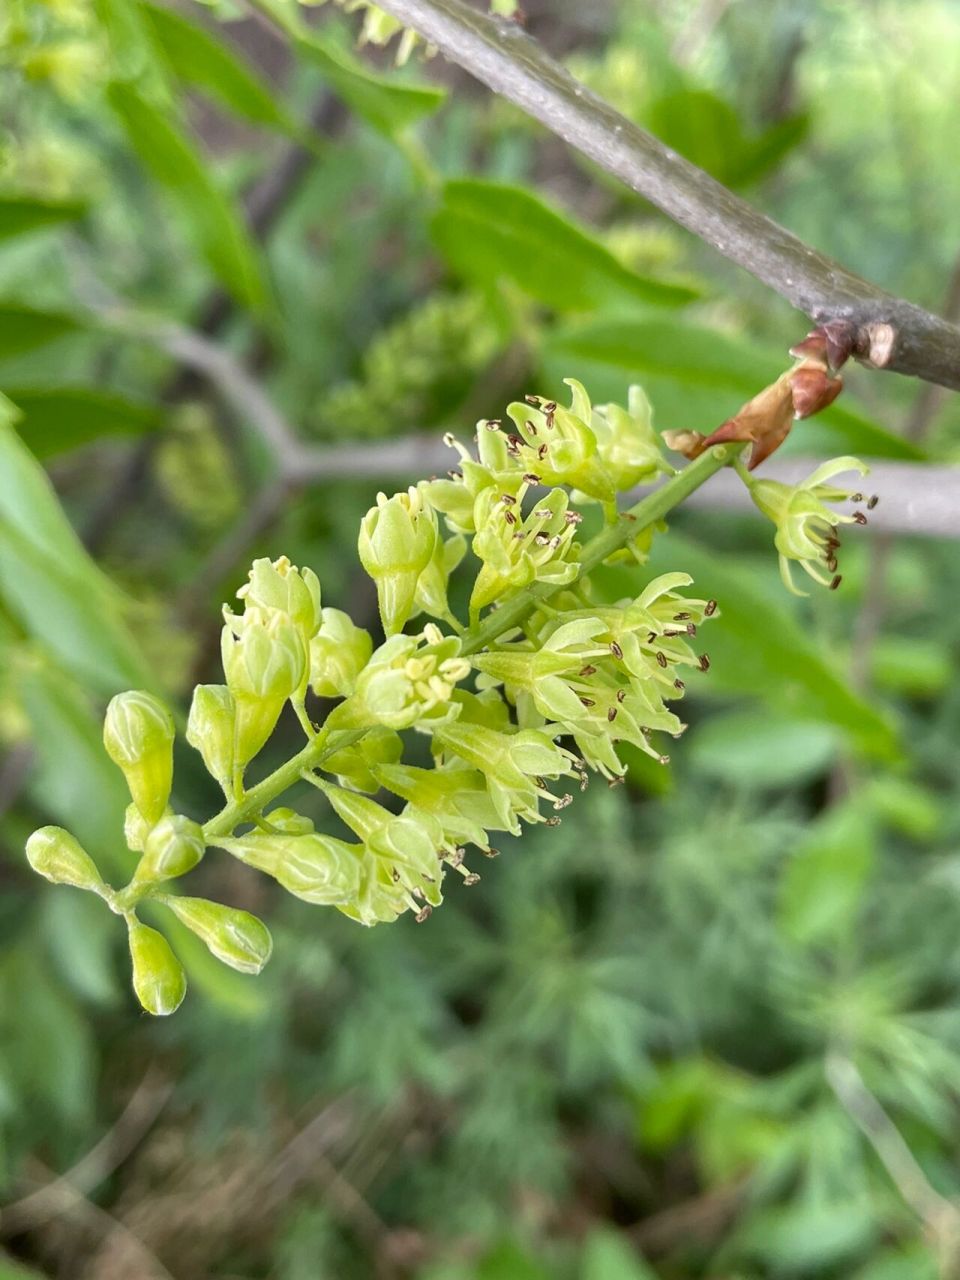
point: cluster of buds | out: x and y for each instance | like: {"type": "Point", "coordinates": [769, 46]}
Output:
{"type": "Point", "coordinates": [556, 666]}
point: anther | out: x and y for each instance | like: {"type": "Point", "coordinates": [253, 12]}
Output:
{"type": "Point", "coordinates": [621, 695]}
{"type": "Point", "coordinates": [530, 478]}
{"type": "Point", "coordinates": [611, 714]}
{"type": "Point", "coordinates": [423, 915]}
{"type": "Point", "coordinates": [493, 424]}
{"type": "Point", "coordinates": [664, 760]}
{"type": "Point", "coordinates": [573, 517]}
{"type": "Point", "coordinates": [510, 517]}
{"type": "Point", "coordinates": [662, 659]}
{"type": "Point", "coordinates": [651, 637]}
{"type": "Point", "coordinates": [678, 684]}
{"type": "Point", "coordinates": [534, 400]}
{"type": "Point", "coordinates": [615, 649]}
{"type": "Point", "coordinates": [856, 497]}
{"type": "Point", "coordinates": [549, 406]}
{"type": "Point", "coordinates": [552, 822]}
{"type": "Point", "coordinates": [449, 439]}
{"type": "Point", "coordinates": [710, 609]}
{"type": "Point", "coordinates": [872, 501]}
{"type": "Point", "coordinates": [681, 617]}
{"type": "Point", "coordinates": [542, 451]}
{"type": "Point", "coordinates": [691, 629]}
{"type": "Point", "coordinates": [508, 499]}
{"type": "Point", "coordinates": [587, 702]}
{"type": "Point", "coordinates": [836, 582]}
{"type": "Point", "coordinates": [471, 879]}
{"type": "Point", "coordinates": [859, 517]}
{"type": "Point", "coordinates": [491, 852]}
{"type": "Point", "coordinates": [587, 670]}
{"type": "Point", "coordinates": [704, 663]}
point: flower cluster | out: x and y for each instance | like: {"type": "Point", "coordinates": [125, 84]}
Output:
{"type": "Point", "coordinates": [544, 681]}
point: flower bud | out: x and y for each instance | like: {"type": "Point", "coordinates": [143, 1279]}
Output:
{"type": "Point", "coordinates": [237, 938]}
{"type": "Point", "coordinates": [210, 729]}
{"type": "Point", "coordinates": [158, 977]}
{"type": "Point", "coordinates": [338, 653]}
{"type": "Point", "coordinates": [313, 867]}
{"type": "Point", "coordinates": [135, 828]}
{"type": "Point", "coordinates": [278, 586]}
{"type": "Point", "coordinates": [265, 662]}
{"type": "Point", "coordinates": [290, 822]}
{"type": "Point", "coordinates": [138, 735]}
{"type": "Point", "coordinates": [397, 539]}
{"type": "Point", "coordinates": [173, 847]}
{"type": "Point", "coordinates": [57, 856]}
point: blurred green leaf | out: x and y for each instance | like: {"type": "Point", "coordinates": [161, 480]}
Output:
{"type": "Point", "coordinates": [73, 780]}
{"type": "Point", "coordinates": [10, 1270]}
{"type": "Point", "coordinates": [387, 104]}
{"type": "Point", "coordinates": [805, 1237]}
{"type": "Point", "coordinates": [676, 360]}
{"type": "Point", "coordinates": [50, 584]}
{"type": "Point", "coordinates": [608, 1256]}
{"type": "Point", "coordinates": [22, 214]}
{"type": "Point", "coordinates": [55, 419]}
{"type": "Point", "coordinates": [509, 1261]}
{"type": "Point", "coordinates": [82, 940]}
{"type": "Point", "coordinates": [908, 807]}
{"type": "Point", "coordinates": [823, 882]}
{"type": "Point", "coordinates": [757, 749]}
{"type": "Point", "coordinates": [757, 647]}
{"type": "Point", "coordinates": [200, 59]}
{"type": "Point", "coordinates": [915, 666]}
{"type": "Point", "coordinates": [24, 328]}
{"type": "Point", "coordinates": [173, 161]}
{"type": "Point", "coordinates": [707, 130]}
{"type": "Point", "coordinates": [489, 230]}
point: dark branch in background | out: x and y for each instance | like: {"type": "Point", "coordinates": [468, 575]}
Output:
{"type": "Point", "coordinates": [884, 332]}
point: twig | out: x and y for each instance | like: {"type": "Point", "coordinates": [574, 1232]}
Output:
{"type": "Point", "coordinates": [940, 1215]}
{"type": "Point", "coordinates": [886, 332]}
{"type": "Point", "coordinates": [148, 1100]}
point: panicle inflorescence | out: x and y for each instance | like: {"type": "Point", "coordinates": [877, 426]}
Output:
{"type": "Point", "coordinates": [544, 681]}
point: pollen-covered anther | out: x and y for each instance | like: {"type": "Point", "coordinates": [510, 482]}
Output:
{"type": "Point", "coordinates": [491, 852]}
{"type": "Point", "coordinates": [561, 802]}
{"type": "Point", "coordinates": [552, 822]}
{"type": "Point", "coordinates": [510, 517]}
{"type": "Point", "coordinates": [678, 684]}
{"type": "Point", "coordinates": [611, 714]}
{"type": "Point", "coordinates": [664, 760]}
{"type": "Point", "coordinates": [681, 617]}
{"type": "Point", "coordinates": [508, 499]}
{"type": "Point", "coordinates": [533, 400]}
{"type": "Point", "coordinates": [530, 478]}
{"type": "Point", "coordinates": [493, 424]}
{"type": "Point", "coordinates": [423, 914]}
{"type": "Point", "coordinates": [704, 663]}
{"type": "Point", "coordinates": [573, 517]}
{"type": "Point", "coordinates": [710, 609]}
{"type": "Point", "coordinates": [859, 518]}
{"type": "Point", "coordinates": [615, 649]}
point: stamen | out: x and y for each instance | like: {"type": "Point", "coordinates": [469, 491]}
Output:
{"type": "Point", "coordinates": [859, 517]}
{"type": "Point", "coordinates": [704, 663]}
{"type": "Point", "coordinates": [836, 582]}
{"type": "Point", "coordinates": [681, 617]}
{"type": "Point", "coordinates": [662, 660]}
{"type": "Point", "coordinates": [530, 478]}
{"type": "Point", "coordinates": [710, 609]}
{"type": "Point", "coordinates": [422, 916]}
{"type": "Point", "coordinates": [587, 670]}
{"type": "Point", "coordinates": [678, 684]}
{"type": "Point", "coordinates": [872, 501]}
{"type": "Point", "coordinates": [611, 714]}
{"type": "Point", "coordinates": [615, 649]}
{"type": "Point", "coordinates": [587, 702]}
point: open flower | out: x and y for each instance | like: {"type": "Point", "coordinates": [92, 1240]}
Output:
{"type": "Point", "coordinates": [806, 526]}
{"type": "Point", "coordinates": [517, 551]}
{"type": "Point", "coordinates": [408, 680]}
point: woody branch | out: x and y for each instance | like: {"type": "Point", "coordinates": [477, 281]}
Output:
{"type": "Point", "coordinates": [882, 331]}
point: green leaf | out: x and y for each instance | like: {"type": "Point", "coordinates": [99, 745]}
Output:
{"type": "Point", "coordinates": [50, 584]}
{"type": "Point", "coordinates": [20, 215]}
{"type": "Point", "coordinates": [24, 328]}
{"type": "Point", "coordinates": [915, 666]}
{"type": "Point", "coordinates": [10, 1270]}
{"type": "Point", "coordinates": [489, 230]}
{"type": "Point", "coordinates": [74, 780]}
{"type": "Point", "coordinates": [198, 58]}
{"type": "Point", "coordinates": [53, 420]}
{"type": "Point", "coordinates": [172, 160]}
{"type": "Point", "coordinates": [823, 882]}
{"type": "Point", "coordinates": [757, 647]}
{"type": "Point", "coordinates": [608, 1256]}
{"type": "Point", "coordinates": [387, 104]}
{"type": "Point", "coordinates": [759, 749]}
{"type": "Point", "coordinates": [697, 377]}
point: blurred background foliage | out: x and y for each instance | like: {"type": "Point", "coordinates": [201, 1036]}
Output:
{"type": "Point", "coordinates": [710, 1027]}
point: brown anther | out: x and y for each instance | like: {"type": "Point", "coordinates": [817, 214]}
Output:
{"type": "Point", "coordinates": [471, 879]}
{"type": "Point", "coordinates": [563, 801]}
{"type": "Point", "coordinates": [587, 702]}
{"type": "Point", "coordinates": [872, 501]}
{"type": "Point", "coordinates": [530, 478]}
{"type": "Point", "coordinates": [542, 452]}
{"type": "Point", "coordinates": [549, 406]}
{"type": "Point", "coordinates": [678, 684]}
{"type": "Point", "coordinates": [491, 852]}
{"type": "Point", "coordinates": [662, 660]}
{"type": "Point", "coordinates": [859, 518]}
{"type": "Point", "coordinates": [423, 915]}
{"type": "Point", "coordinates": [836, 582]}
{"type": "Point", "coordinates": [611, 714]}
{"type": "Point", "coordinates": [542, 539]}
{"type": "Point", "coordinates": [681, 617]}
{"type": "Point", "coordinates": [615, 649]}
{"type": "Point", "coordinates": [510, 517]}
{"type": "Point", "coordinates": [514, 443]}
{"type": "Point", "coordinates": [587, 670]}
{"type": "Point", "coordinates": [651, 637]}
{"type": "Point", "coordinates": [704, 663]}
{"type": "Point", "coordinates": [573, 517]}
{"type": "Point", "coordinates": [531, 427]}
{"type": "Point", "coordinates": [508, 499]}
{"type": "Point", "coordinates": [616, 782]}
{"type": "Point", "coordinates": [552, 822]}
{"type": "Point", "coordinates": [534, 400]}
{"type": "Point", "coordinates": [711, 608]}
{"type": "Point", "coordinates": [856, 497]}
{"type": "Point", "coordinates": [832, 563]}
{"type": "Point", "coordinates": [664, 760]}
{"type": "Point", "coordinates": [621, 695]}
{"type": "Point", "coordinates": [493, 424]}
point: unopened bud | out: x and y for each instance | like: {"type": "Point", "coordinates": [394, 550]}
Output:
{"type": "Point", "coordinates": [173, 847]}
{"type": "Point", "coordinates": [396, 543]}
{"type": "Point", "coordinates": [210, 729]}
{"type": "Point", "coordinates": [281, 587]}
{"type": "Point", "coordinates": [235, 937]}
{"type": "Point", "coordinates": [138, 735]}
{"type": "Point", "coordinates": [57, 856]}
{"type": "Point", "coordinates": [314, 867]}
{"type": "Point", "coordinates": [338, 653]}
{"type": "Point", "coordinates": [135, 828]}
{"type": "Point", "coordinates": [158, 977]}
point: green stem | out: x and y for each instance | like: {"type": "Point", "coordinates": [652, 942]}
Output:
{"type": "Point", "coordinates": [254, 800]}
{"type": "Point", "coordinates": [630, 523]}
